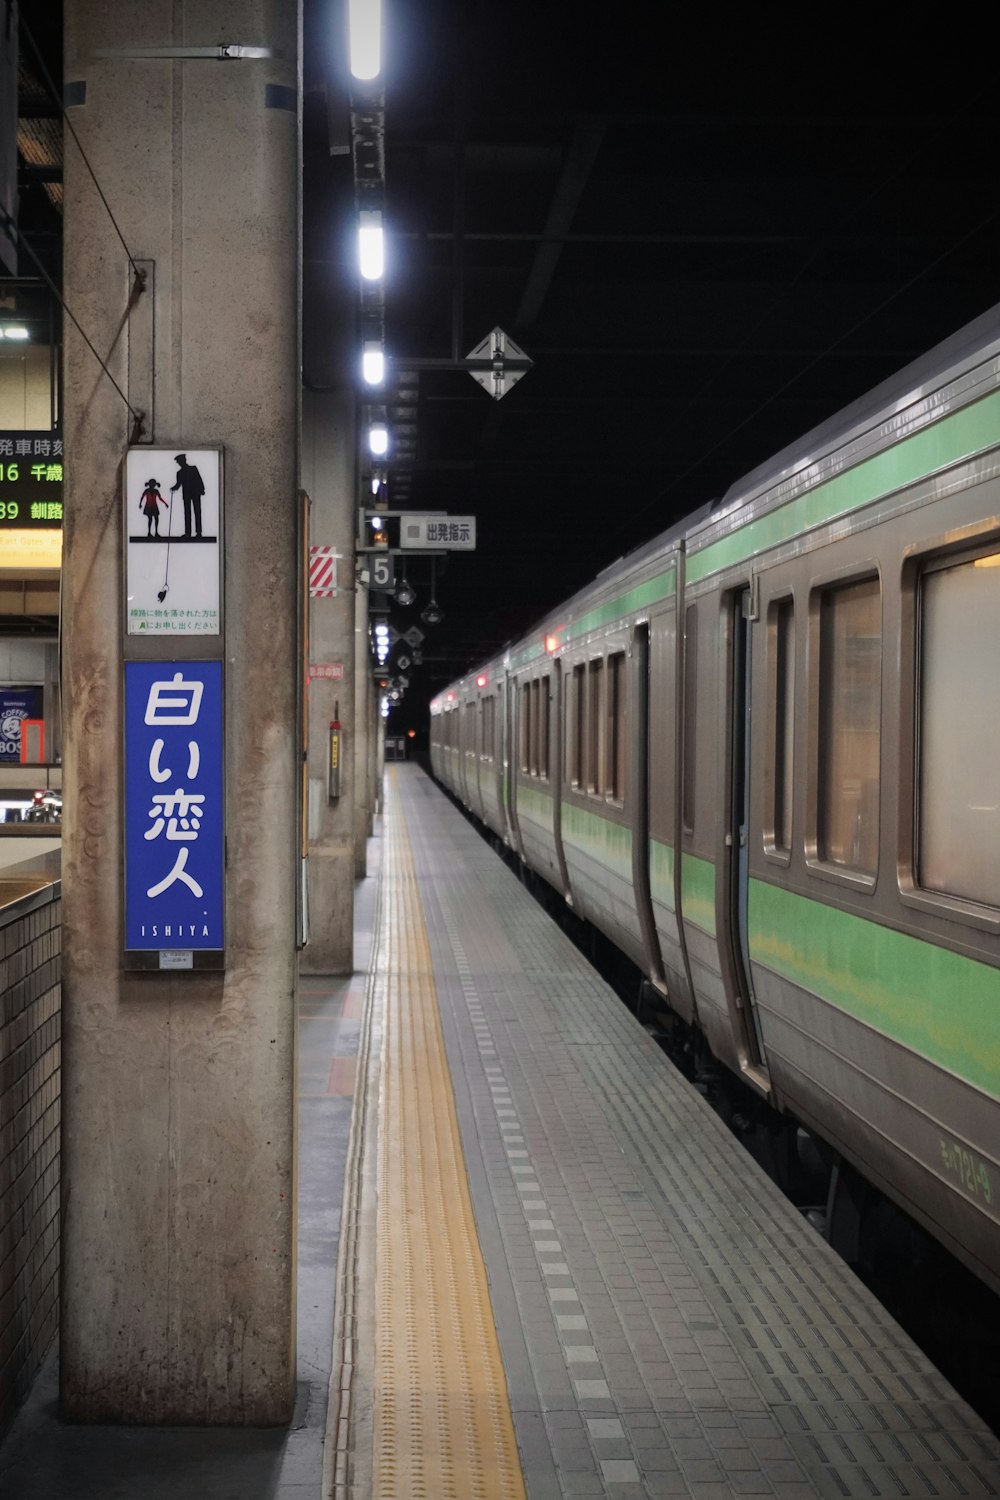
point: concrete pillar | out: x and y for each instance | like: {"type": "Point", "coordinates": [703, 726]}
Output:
{"type": "Point", "coordinates": [328, 451]}
{"type": "Point", "coordinates": [377, 757]}
{"type": "Point", "coordinates": [178, 1098]}
{"type": "Point", "coordinates": [363, 691]}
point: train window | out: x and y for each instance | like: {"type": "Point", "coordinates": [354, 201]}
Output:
{"type": "Point", "coordinates": [781, 693]}
{"type": "Point", "coordinates": [959, 726]}
{"type": "Point", "coordinates": [576, 745]}
{"type": "Point", "coordinates": [526, 727]}
{"type": "Point", "coordinates": [690, 716]}
{"type": "Point", "coordinates": [489, 726]}
{"type": "Point", "coordinates": [535, 728]}
{"type": "Point", "coordinates": [543, 728]}
{"type": "Point", "coordinates": [615, 734]}
{"type": "Point", "coordinates": [595, 684]}
{"type": "Point", "coordinates": [850, 643]}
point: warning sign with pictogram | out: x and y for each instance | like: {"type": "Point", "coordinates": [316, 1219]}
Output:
{"type": "Point", "coordinates": [172, 530]}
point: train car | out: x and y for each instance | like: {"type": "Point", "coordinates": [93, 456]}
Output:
{"type": "Point", "coordinates": [467, 743]}
{"type": "Point", "coordinates": [614, 844]}
{"type": "Point", "coordinates": [532, 705]}
{"type": "Point", "coordinates": [489, 741]}
{"type": "Point", "coordinates": [772, 780]}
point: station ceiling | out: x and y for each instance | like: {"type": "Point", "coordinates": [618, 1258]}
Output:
{"type": "Point", "coordinates": [708, 234]}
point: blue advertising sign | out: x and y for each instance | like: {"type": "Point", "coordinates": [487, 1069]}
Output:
{"type": "Point", "coordinates": [16, 705]}
{"type": "Point", "coordinates": [174, 824]}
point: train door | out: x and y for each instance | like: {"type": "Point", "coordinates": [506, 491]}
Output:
{"type": "Point", "coordinates": [638, 776]}
{"type": "Point", "coordinates": [468, 712]}
{"type": "Point", "coordinates": [512, 760]}
{"type": "Point", "coordinates": [738, 833]}
{"type": "Point", "coordinates": [557, 753]}
{"type": "Point", "coordinates": [462, 723]}
{"type": "Point", "coordinates": [495, 745]}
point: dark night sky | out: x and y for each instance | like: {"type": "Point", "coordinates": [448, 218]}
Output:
{"type": "Point", "coordinates": [708, 241]}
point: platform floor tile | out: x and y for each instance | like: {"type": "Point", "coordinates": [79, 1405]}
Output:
{"type": "Point", "coordinates": [668, 1323]}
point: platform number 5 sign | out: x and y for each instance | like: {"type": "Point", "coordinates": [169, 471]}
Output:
{"type": "Point", "coordinates": [383, 571]}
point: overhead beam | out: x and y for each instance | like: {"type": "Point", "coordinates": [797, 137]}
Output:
{"type": "Point", "coordinates": [569, 189]}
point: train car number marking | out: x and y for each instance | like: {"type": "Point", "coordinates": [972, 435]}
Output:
{"type": "Point", "coordinates": [970, 1171]}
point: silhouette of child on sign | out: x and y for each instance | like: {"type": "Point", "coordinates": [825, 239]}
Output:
{"type": "Point", "coordinates": [150, 506]}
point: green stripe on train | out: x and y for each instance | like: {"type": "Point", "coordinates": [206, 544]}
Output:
{"type": "Point", "coordinates": [934, 1002]}
{"type": "Point", "coordinates": [529, 654]}
{"type": "Point", "coordinates": [937, 447]}
{"type": "Point", "coordinates": [610, 844]}
{"type": "Point", "coordinates": [698, 892]}
{"type": "Point", "coordinates": [663, 586]}
{"type": "Point", "coordinates": [643, 596]}
{"type": "Point", "coordinates": [661, 873]}
{"type": "Point", "coordinates": [534, 805]}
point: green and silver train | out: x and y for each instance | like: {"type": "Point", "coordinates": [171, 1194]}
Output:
{"type": "Point", "coordinates": [762, 755]}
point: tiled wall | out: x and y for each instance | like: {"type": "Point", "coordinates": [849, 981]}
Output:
{"type": "Point", "coordinates": [29, 1142]}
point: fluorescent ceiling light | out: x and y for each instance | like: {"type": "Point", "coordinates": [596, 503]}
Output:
{"type": "Point", "coordinates": [373, 363]}
{"type": "Point", "coordinates": [371, 246]}
{"type": "Point", "coordinates": [378, 439]}
{"type": "Point", "coordinates": [15, 331]}
{"type": "Point", "coordinates": [365, 25]}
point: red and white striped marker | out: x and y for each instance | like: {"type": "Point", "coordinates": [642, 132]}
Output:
{"type": "Point", "coordinates": [323, 572]}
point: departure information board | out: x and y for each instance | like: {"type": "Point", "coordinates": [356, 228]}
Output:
{"type": "Point", "coordinates": [31, 480]}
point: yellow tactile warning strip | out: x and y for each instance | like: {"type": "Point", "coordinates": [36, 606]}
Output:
{"type": "Point", "coordinates": [442, 1421]}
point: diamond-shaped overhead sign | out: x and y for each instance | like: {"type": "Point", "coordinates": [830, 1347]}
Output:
{"type": "Point", "coordinates": [413, 636]}
{"type": "Point", "coordinates": [502, 363]}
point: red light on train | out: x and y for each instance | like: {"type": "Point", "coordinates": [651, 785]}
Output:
{"type": "Point", "coordinates": [411, 734]}
{"type": "Point", "coordinates": [451, 697]}
{"type": "Point", "coordinates": [551, 643]}
{"type": "Point", "coordinates": [482, 680]}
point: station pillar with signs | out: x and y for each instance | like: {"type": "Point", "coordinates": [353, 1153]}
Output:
{"type": "Point", "coordinates": [180, 670]}
{"type": "Point", "coordinates": [329, 480]}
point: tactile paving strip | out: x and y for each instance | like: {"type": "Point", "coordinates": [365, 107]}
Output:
{"type": "Point", "coordinates": [442, 1423]}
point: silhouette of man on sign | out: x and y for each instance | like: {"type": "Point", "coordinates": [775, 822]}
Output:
{"type": "Point", "coordinates": [192, 487]}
